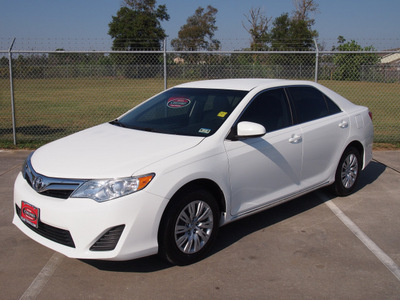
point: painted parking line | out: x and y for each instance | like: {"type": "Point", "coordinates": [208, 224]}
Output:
{"type": "Point", "coordinates": [13, 168]}
{"type": "Point", "coordinates": [392, 168]}
{"type": "Point", "coordinates": [48, 270]}
{"type": "Point", "coordinates": [378, 252]}
{"type": "Point", "coordinates": [41, 279]}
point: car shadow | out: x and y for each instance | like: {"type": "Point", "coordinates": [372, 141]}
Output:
{"type": "Point", "coordinates": [141, 265]}
{"type": "Point", "coordinates": [235, 231]}
{"type": "Point", "coordinates": [370, 174]}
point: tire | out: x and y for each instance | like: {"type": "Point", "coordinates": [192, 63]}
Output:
{"type": "Point", "coordinates": [188, 227]}
{"type": "Point", "coordinates": [347, 172]}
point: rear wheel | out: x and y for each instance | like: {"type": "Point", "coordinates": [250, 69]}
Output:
{"type": "Point", "coordinates": [189, 227]}
{"type": "Point", "coordinates": [347, 172]}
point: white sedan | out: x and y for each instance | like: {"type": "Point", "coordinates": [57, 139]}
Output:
{"type": "Point", "coordinates": [163, 177]}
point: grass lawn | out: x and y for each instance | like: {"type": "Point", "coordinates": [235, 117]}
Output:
{"type": "Point", "coordinates": [382, 99]}
{"type": "Point", "coordinates": [47, 109]}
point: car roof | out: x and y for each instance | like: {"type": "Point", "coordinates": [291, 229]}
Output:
{"type": "Point", "coordinates": [234, 84]}
{"type": "Point", "coordinates": [248, 84]}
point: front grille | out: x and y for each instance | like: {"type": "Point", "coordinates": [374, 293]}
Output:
{"type": "Point", "coordinates": [109, 240]}
{"type": "Point", "coordinates": [54, 234]}
{"type": "Point", "coordinates": [52, 187]}
{"type": "Point", "coordinates": [62, 194]}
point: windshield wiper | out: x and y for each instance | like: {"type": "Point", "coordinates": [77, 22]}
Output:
{"type": "Point", "coordinates": [117, 123]}
{"type": "Point", "coordinates": [143, 128]}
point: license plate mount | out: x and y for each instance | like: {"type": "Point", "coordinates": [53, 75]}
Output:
{"type": "Point", "coordinates": [30, 214]}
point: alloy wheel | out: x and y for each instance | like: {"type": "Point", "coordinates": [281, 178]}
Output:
{"type": "Point", "coordinates": [194, 227]}
{"type": "Point", "coordinates": [349, 171]}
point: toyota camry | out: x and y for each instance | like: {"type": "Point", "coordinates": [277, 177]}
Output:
{"type": "Point", "coordinates": [163, 177]}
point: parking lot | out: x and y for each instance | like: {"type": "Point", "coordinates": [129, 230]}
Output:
{"type": "Point", "coordinates": [314, 247]}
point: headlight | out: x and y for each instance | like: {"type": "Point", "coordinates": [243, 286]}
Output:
{"type": "Point", "coordinates": [108, 189]}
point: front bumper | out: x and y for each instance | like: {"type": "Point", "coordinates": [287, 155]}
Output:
{"type": "Point", "coordinates": [133, 220]}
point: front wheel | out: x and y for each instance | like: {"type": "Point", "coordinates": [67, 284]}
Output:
{"type": "Point", "coordinates": [347, 172]}
{"type": "Point", "coordinates": [189, 227]}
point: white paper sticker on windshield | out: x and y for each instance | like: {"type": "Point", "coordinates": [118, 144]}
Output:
{"type": "Point", "coordinates": [178, 102]}
{"type": "Point", "coordinates": [204, 130]}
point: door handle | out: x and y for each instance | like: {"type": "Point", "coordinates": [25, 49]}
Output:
{"type": "Point", "coordinates": [295, 139]}
{"type": "Point", "coordinates": [343, 124]}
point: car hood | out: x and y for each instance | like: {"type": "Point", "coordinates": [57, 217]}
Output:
{"type": "Point", "coordinates": [107, 151]}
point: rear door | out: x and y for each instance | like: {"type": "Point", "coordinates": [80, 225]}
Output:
{"type": "Point", "coordinates": [325, 129]}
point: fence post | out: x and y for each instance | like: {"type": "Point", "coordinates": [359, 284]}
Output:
{"type": "Point", "coordinates": [12, 93]}
{"type": "Point", "coordinates": [316, 60]}
{"type": "Point", "coordinates": [165, 63]}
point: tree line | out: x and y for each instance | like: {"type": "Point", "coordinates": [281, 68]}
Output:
{"type": "Point", "coordinates": [137, 27]}
{"type": "Point", "coordinates": [139, 20]}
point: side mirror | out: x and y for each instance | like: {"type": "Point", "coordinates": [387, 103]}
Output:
{"type": "Point", "coordinates": [250, 129]}
{"type": "Point", "coordinates": [246, 129]}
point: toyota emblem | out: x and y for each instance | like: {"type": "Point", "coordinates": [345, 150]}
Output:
{"type": "Point", "coordinates": [38, 184]}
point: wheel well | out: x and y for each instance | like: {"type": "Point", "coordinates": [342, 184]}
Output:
{"type": "Point", "coordinates": [210, 186]}
{"type": "Point", "coordinates": [360, 148]}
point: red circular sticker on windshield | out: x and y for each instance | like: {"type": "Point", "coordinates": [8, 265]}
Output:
{"type": "Point", "coordinates": [177, 102]}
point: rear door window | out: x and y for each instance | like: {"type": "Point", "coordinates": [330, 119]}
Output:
{"type": "Point", "coordinates": [311, 104]}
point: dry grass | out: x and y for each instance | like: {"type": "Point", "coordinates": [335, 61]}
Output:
{"type": "Point", "coordinates": [47, 109]}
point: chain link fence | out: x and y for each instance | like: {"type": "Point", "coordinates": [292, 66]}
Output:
{"type": "Point", "coordinates": [50, 94]}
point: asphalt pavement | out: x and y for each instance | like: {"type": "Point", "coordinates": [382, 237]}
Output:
{"type": "Point", "coordinates": [314, 247]}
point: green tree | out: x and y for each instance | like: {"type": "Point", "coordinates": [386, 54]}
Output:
{"type": "Point", "coordinates": [348, 66]}
{"type": "Point", "coordinates": [137, 25]}
{"type": "Point", "coordinates": [287, 33]}
{"type": "Point", "coordinates": [291, 34]}
{"type": "Point", "coordinates": [198, 32]}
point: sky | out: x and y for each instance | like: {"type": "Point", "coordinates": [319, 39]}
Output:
{"type": "Point", "coordinates": [75, 24]}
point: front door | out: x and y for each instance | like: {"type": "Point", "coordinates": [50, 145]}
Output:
{"type": "Point", "coordinates": [265, 169]}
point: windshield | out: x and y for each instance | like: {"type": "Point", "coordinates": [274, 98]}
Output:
{"type": "Point", "coordinates": [184, 111]}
